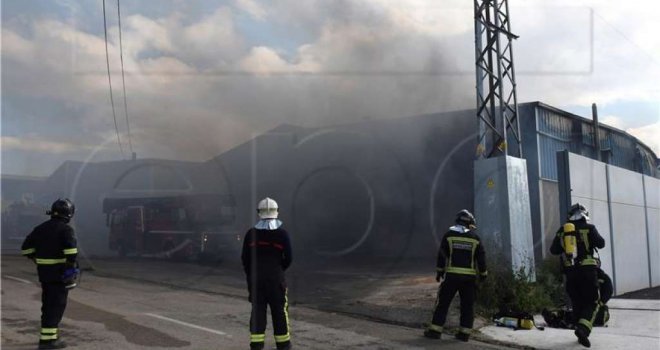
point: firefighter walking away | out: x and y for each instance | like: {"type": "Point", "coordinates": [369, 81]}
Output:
{"type": "Point", "coordinates": [576, 242]}
{"type": "Point", "coordinates": [266, 255]}
{"type": "Point", "coordinates": [52, 246]}
{"type": "Point", "coordinates": [461, 259]}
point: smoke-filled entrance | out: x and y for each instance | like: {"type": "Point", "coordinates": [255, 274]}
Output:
{"type": "Point", "coordinates": [333, 212]}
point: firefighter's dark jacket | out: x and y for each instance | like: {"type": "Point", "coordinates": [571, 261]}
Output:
{"type": "Point", "coordinates": [461, 253]}
{"type": "Point", "coordinates": [52, 245]}
{"type": "Point", "coordinates": [588, 239]}
{"type": "Point", "coordinates": [269, 250]}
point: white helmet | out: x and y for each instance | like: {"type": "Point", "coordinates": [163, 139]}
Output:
{"type": "Point", "coordinates": [578, 212]}
{"type": "Point", "coordinates": [267, 209]}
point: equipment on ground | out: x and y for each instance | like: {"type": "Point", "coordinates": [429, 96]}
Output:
{"type": "Point", "coordinates": [515, 320]}
{"type": "Point", "coordinates": [563, 317]}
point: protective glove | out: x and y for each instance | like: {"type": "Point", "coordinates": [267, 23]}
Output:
{"type": "Point", "coordinates": [70, 277]}
{"type": "Point", "coordinates": [482, 278]}
{"type": "Point", "coordinates": [438, 277]}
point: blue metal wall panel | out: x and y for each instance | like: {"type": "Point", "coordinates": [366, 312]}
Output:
{"type": "Point", "coordinates": [554, 135]}
{"type": "Point", "coordinates": [563, 131]}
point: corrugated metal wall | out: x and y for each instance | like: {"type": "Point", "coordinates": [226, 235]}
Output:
{"type": "Point", "coordinates": [558, 132]}
{"type": "Point", "coordinates": [554, 133]}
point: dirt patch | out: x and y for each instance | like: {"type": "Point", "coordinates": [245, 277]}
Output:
{"type": "Point", "coordinates": [415, 291]}
{"type": "Point", "coordinates": [133, 332]}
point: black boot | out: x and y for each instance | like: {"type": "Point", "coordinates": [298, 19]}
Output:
{"type": "Point", "coordinates": [284, 345]}
{"type": "Point", "coordinates": [583, 337]}
{"type": "Point", "coordinates": [429, 333]}
{"type": "Point", "coordinates": [256, 346]}
{"type": "Point", "coordinates": [54, 344]}
{"type": "Point", "coordinates": [462, 336]}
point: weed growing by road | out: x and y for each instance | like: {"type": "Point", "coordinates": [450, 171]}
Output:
{"type": "Point", "coordinates": [505, 289]}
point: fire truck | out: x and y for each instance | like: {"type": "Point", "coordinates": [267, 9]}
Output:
{"type": "Point", "coordinates": [190, 227]}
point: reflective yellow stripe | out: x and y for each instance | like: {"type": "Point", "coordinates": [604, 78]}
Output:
{"type": "Point", "coordinates": [588, 262]}
{"type": "Point", "coordinates": [48, 330]}
{"type": "Point", "coordinates": [585, 323]}
{"type": "Point", "coordinates": [585, 238]}
{"type": "Point", "coordinates": [28, 251]}
{"type": "Point", "coordinates": [451, 253]}
{"type": "Point", "coordinates": [286, 310]}
{"type": "Point", "coordinates": [462, 239]}
{"type": "Point", "coordinates": [440, 269]}
{"type": "Point", "coordinates": [436, 328]}
{"type": "Point", "coordinates": [48, 337]}
{"type": "Point", "coordinates": [282, 338]}
{"type": "Point", "coordinates": [50, 261]}
{"type": "Point", "coordinates": [257, 338]}
{"type": "Point", "coordinates": [485, 273]}
{"type": "Point", "coordinates": [70, 251]}
{"type": "Point", "coordinates": [593, 315]}
{"type": "Point", "coordinates": [461, 270]}
{"type": "Point", "coordinates": [465, 330]}
{"type": "Point", "coordinates": [474, 248]}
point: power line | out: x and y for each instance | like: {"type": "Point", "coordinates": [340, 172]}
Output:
{"type": "Point", "coordinates": [624, 36]}
{"type": "Point", "coordinates": [107, 61]}
{"type": "Point", "coordinates": [123, 80]}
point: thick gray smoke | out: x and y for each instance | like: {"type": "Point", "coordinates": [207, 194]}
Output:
{"type": "Point", "coordinates": [351, 175]}
{"type": "Point", "coordinates": [202, 79]}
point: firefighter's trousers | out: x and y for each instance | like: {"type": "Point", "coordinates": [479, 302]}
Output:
{"type": "Point", "coordinates": [582, 288]}
{"type": "Point", "coordinates": [271, 294]}
{"type": "Point", "coordinates": [466, 287]}
{"type": "Point", "coordinates": [53, 303]}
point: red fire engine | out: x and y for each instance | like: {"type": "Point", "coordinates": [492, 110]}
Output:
{"type": "Point", "coordinates": [186, 227]}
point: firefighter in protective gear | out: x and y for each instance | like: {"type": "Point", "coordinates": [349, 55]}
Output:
{"type": "Point", "coordinates": [52, 246]}
{"type": "Point", "coordinates": [576, 242]}
{"type": "Point", "coordinates": [461, 259]}
{"type": "Point", "coordinates": [266, 255]}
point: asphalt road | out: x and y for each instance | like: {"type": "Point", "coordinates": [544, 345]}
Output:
{"type": "Point", "coordinates": [114, 313]}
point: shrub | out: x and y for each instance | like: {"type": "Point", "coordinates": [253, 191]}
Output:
{"type": "Point", "coordinates": [512, 290]}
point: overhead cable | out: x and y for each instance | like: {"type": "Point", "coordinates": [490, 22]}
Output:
{"type": "Point", "coordinates": [107, 61]}
{"type": "Point", "coordinates": [123, 81]}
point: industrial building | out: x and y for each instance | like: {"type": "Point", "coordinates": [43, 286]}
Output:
{"type": "Point", "coordinates": [386, 189]}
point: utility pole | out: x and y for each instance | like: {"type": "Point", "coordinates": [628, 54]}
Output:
{"type": "Point", "coordinates": [501, 191]}
{"type": "Point", "coordinates": [497, 102]}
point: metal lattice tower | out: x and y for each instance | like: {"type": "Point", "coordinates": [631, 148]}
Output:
{"type": "Point", "coordinates": [497, 105]}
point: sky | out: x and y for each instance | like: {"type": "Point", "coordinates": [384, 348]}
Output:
{"type": "Point", "coordinates": [204, 76]}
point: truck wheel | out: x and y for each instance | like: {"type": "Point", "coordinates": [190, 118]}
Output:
{"type": "Point", "coordinates": [168, 246]}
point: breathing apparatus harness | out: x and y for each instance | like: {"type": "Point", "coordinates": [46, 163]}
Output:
{"type": "Point", "coordinates": [570, 238]}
